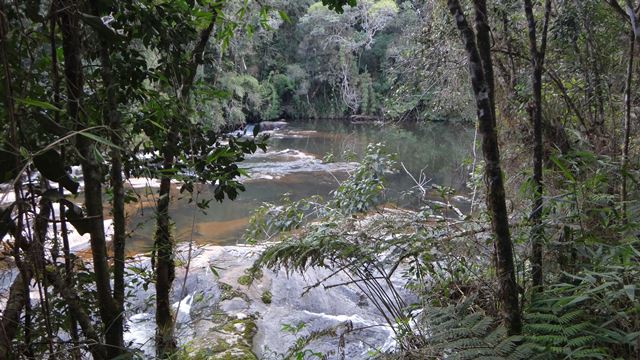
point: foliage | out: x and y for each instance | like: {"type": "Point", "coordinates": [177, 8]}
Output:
{"type": "Point", "coordinates": [364, 187]}
{"type": "Point", "coordinates": [371, 248]}
{"type": "Point", "coordinates": [593, 313]}
{"type": "Point", "coordinates": [456, 332]}
{"type": "Point", "coordinates": [154, 101]}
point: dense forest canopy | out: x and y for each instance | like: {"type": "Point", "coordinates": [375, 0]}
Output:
{"type": "Point", "coordinates": [114, 108]}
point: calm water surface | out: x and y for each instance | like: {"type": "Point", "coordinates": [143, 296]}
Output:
{"type": "Point", "coordinates": [293, 165]}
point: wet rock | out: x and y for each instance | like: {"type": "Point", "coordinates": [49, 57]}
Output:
{"type": "Point", "coordinates": [272, 125]}
{"type": "Point", "coordinates": [220, 316]}
{"type": "Point", "coordinates": [234, 306]}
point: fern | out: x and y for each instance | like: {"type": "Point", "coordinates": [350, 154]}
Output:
{"type": "Point", "coordinates": [567, 334]}
{"type": "Point", "coordinates": [455, 332]}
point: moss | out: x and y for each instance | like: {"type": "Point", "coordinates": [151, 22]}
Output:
{"type": "Point", "coordinates": [244, 280]}
{"type": "Point", "coordinates": [250, 275]}
{"type": "Point", "coordinates": [246, 328]}
{"type": "Point", "coordinates": [220, 346]}
{"type": "Point", "coordinates": [228, 293]}
{"type": "Point", "coordinates": [237, 353]}
{"type": "Point", "coordinates": [266, 297]}
{"type": "Point", "coordinates": [229, 338]}
{"type": "Point", "coordinates": [241, 332]}
{"type": "Point", "coordinates": [222, 350]}
{"type": "Point", "coordinates": [218, 316]}
{"type": "Point", "coordinates": [255, 273]}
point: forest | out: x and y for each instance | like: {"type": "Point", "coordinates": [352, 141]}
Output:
{"type": "Point", "coordinates": [340, 179]}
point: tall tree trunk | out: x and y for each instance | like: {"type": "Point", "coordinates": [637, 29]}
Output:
{"type": "Point", "coordinates": [493, 175]}
{"type": "Point", "coordinates": [55, 79]}
{"type": "Point", "coordinates": [165, 266]}
{"type": "Point", "coordinates": [71, 46]}
{"type": "Point", "coordinates": [537, 63]}
{"type": "Point", "coordinates": [19, 290]}
{"type": "Point", "coordinates": [627, 123]}
{"type": "Point", "coordinates": [483, 40]}
{"type": "Point", "coordinates": [164, 247]}
{"type": "Point", "coordinates": [111, 115]}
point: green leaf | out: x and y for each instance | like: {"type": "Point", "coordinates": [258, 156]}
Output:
{"type": "Point", "coordinates": [40, 104]}
{"type": "Point", "coordinates": [284, 16]}
{"type": "Point", "coordinates": [158, 125]}
{"type": "Point", "coordinates": [214, 270]}
{"type": "Point", "coordinates": [567, 174]}
{"type": "Point", "coordinates": [337, 5]}
{"type": "Point", "coordinates": [99, 139]}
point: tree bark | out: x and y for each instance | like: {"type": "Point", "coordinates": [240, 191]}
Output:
{"type": "Point", "coordinates": [496, 204]}
{"type": "Point", "coordinates": [111, 115]}
{"type": "Point", "coordinates": [537, 62]}
{"type": "Point", "coordinates": [627, 124]}
{"type": "Point", "coordinates": [19, 290]}
{"type": "Point", "coordinates": [163, 245]}
{"type": "Point", "coordinates": [165, 266]}
{"type": "Point", "coordinates": [11, 313]}
{"type": "Point", "coordinates": [55, 79]}
{"type": "Point", "coordinates": [483, 40]}
{"type": "Point", "coordinates": [71, 46]}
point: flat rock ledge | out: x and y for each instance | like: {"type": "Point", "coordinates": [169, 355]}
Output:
{"type": "Point", "coordinates": [221, 314]}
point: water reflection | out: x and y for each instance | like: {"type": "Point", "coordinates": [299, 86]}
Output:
{"type": "Point", "coordinates": [294, 165]}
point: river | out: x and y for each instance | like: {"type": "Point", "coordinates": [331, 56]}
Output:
{"type": "Point", "coordinates": [294, 165]}
{"type": "Point", "coordinates": [219, 314]}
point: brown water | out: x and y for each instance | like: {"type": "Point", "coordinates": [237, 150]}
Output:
{"type": "Point", "coordinates": [293, 165]}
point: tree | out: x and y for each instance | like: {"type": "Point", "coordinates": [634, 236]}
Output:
{"type": "Point", "coordinates": [537, 55]}
{"type": "Point", "coordinates": [102, 102]}
{"type": "Point", "coordinates": [338, 41]}
{"type": "Point", "coordinates": [493, 172]}
{"type": "Point", "coordinates": [630, 14]}
{"type": "Point", "coordinates": [165, 266]}
{"type": "Point", "coordinates": [71, 43]}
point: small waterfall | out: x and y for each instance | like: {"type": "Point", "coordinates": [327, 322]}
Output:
{"type": "Point", "coordinates": [248, 130]}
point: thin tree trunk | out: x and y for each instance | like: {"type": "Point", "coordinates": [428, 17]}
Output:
{"type": "Point", "coordinates": [537, 63]}
{"type": "Point", "coordinates": [37, 254]}
{"type": "Point", "coordinates": [11, 313]}
{"type": "Point", "coordinates": [165, 266]}
{"type": "Point", "coordinates": [73, 324]}
{"type": "Point", "coordinates": [71, 46]}
{"type": "Point", "coordinates": [627, 123]}
{"type": "Point", "coordinates": [18, 292]}
{"type": "Point", "coordinates": [164, 247]}
{"type": "Point", "coordinates": [112, 116]}
{"type": "Point", "coordinates": [72, 300]}
{"type": "Point", "coordinates": [496, 204]}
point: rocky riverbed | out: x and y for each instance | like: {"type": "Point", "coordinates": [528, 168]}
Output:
{"type": "Point", "coordinates": [220, 315]}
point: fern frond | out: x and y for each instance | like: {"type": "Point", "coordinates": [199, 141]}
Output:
{"type": "Point", "coordinates": [580, 341]}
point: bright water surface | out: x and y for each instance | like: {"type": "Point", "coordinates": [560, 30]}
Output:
{"type": "Point", "coordinates": [293, 165]}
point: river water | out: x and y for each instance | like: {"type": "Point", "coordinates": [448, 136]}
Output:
{"type": "Point", "coordinates": [294, 165]}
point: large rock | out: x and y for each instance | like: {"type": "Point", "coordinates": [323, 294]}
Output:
{"type": "Point", "coordinates": [221, 316]}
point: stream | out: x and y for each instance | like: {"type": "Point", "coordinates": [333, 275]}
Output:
{"type": "Point", "coordinates": [294, 165]}
{"type": "Point", "coordinates": [220, 316]}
